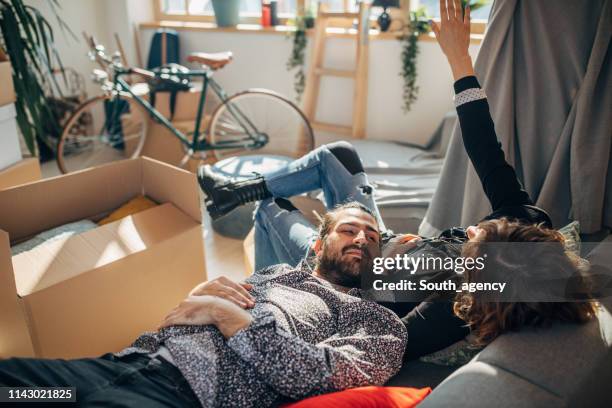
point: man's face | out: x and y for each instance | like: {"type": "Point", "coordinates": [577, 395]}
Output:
{"type": "Point", "coordinates": [349, 248]}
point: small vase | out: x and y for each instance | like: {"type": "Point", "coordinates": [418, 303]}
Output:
{"type": "Point", "coordinates": [384, 20]}
{"type": "Point", "coordinates": [227, 12]}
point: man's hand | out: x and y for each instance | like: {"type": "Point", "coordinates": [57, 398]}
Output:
{"type": "Point", "coordinates": [223, 287]}
{"type": "Point", "coordinates": [453, 35]}
{"type": "Point", "coordinates": [202, 310]}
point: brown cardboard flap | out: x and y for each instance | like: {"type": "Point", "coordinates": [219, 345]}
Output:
{"type": "Point", "coordinates": [165, 183]}
{"type": "Point", "coordinates": [25, 171]}
{"type": "Point", "coordinates": [106, 309]}
{"type": "Point", "coordinates": [7, 91]}
{"type": "Point", "coordinates": [14, 334]}
{"type": "Point", "coordinates": [60, 260]}
{"type": "Point", "coordinates": [42, 205]}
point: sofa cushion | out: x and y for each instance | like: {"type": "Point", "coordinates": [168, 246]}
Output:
{"type": "Point", "coordinates": [558, 359]}
{"type": "Point", "coordinates": [366, 397]}
{"type": "Point", "coordinates": [479, 384]}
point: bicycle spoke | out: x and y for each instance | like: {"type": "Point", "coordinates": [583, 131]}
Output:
{"type": "Point", "coordinates": [270, 115]}
{"type": "Point", "coordinates": [121, 125]}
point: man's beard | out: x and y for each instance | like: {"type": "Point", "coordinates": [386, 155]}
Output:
{"type": "Point", "coordinates": [345, 272]}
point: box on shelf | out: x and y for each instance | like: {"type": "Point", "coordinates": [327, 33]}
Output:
{"type": "Point", "coordinates": [10, 151]}
{"type": "Point", "coordinates": [24, 171]}
{"type": "Point", "coordinates": [95, 292]}
{"type": "Point", "coordinates": [7, 90]}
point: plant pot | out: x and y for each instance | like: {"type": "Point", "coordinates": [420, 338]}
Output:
{"type": "Point", "coordinates": [227, 12]}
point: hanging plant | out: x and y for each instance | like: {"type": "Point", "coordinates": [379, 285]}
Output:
{"type": "Point", "coordinates": [418, 24]}
{"type": "Point", "coordinates": [27, 38]}
{"type": "Point", "coordinates": [296, 59]}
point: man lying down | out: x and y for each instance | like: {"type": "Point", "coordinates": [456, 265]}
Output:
{"type": "Point", "coordinates": [294, 335]}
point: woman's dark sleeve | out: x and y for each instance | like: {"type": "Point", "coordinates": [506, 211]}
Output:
{"type": "Point", "coordinates": [498, 178]}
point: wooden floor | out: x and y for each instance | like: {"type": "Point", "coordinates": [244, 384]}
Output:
{"type": "Point", "coordinates": [224, 256]}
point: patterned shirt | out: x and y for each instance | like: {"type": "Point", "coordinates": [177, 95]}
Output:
{"type": "Point", "coordinates": [306, 339]}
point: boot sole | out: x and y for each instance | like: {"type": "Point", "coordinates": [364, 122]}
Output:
{"type": "Point", "coordinates": [212, 209]}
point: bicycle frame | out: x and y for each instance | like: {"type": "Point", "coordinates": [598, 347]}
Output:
{"type": "Point", "coordinates": [195, 144]}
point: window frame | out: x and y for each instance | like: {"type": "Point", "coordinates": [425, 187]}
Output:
{"type": "Point", "coordinates": [478, 26]}
{"type": "Point", "coordinates": [210, 18]}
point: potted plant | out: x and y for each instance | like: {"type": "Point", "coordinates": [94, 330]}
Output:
{"type": "Point", "coordinates": [27, 38]}
{"type": "Point", "coordinates": [227, 12]}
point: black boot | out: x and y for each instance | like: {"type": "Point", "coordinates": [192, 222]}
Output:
{"type": "Point", "coordinates": [223, 194]}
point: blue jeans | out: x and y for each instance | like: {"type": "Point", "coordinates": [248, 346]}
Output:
{"type": "Point", "coordinates": [283, 236]}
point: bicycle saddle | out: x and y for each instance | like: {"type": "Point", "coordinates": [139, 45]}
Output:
{"type": "Point", "coordinates": [215, 60]}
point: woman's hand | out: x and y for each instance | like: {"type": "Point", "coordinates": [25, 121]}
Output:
{"type": "Point", "coordinates": [453, 35]}
{"type": "Point", "coordinates": [223, 287]}
{"type": "Point", "coordinates": [203, 310]}
{"type": "Point", "coordinates": [406, 238]}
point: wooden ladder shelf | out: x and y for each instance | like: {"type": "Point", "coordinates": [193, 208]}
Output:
{"type": "Point", "coordinates": [317, 70]}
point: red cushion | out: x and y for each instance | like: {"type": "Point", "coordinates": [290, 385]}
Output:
{"type": "Point", "coordinates": [366, 397]}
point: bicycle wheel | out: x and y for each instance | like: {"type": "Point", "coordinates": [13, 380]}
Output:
{"type": "Point", "coordinates": [276, 122]}
{"type": "Point", "coordinates": [102, 130]}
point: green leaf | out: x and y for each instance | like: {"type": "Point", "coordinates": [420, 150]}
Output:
{"type": "Point", "coordinates": [418, 25]}
{"type": "Point", "coordinates": [28, 39]}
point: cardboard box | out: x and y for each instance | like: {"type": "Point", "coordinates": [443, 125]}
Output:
{"type": "Point", "coordinates": [10, 151]}
{"type": "Point", "coordinates": [95, 292]}
{"type": "Point", "coordinates": [162, 145]}
{"type": "Point", "coordinates": [186, 103]}
{"type": "Point", "coordinates": [7, 90]}
{"type": "Point", "coordinates": [25, 171]}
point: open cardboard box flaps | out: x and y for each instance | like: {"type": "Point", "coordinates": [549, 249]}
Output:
{"type": "Point", "coordinates": [95, 292]}
{"type": "Point", "coordinates": [25, 171]}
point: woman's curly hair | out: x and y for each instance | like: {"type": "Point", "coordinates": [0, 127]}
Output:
{"type": "Point", "coordinates": [489, 319]}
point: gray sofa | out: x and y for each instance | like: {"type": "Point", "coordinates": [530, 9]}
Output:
{"type": "Point", "coordinates": [561, 366]}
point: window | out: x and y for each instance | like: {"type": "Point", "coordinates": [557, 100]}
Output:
{"type": "Point", "coordinates": [479, 16]}
{"type": "Point", "coordinates": [250, 10]}
{"type": "Point", "coordinates": [342, 5]}
{"type": "Point", "coordinates": [433, 9]}
{"type": "Point", "coordinates": [202, 10]}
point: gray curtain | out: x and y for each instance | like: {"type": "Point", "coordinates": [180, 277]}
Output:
{"type": "Point", "coordinates": [546, 68]}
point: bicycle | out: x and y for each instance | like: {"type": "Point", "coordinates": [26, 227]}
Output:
{"type": "Point", "coordinates": [114, 125]}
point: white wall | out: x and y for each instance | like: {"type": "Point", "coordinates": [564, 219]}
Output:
{"type": "Point", "coordinates": [123, 16]}
{"type": "Point", "coordinates": [259, 61]}
{"type": "Point", "coordinates": [79, 15]}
